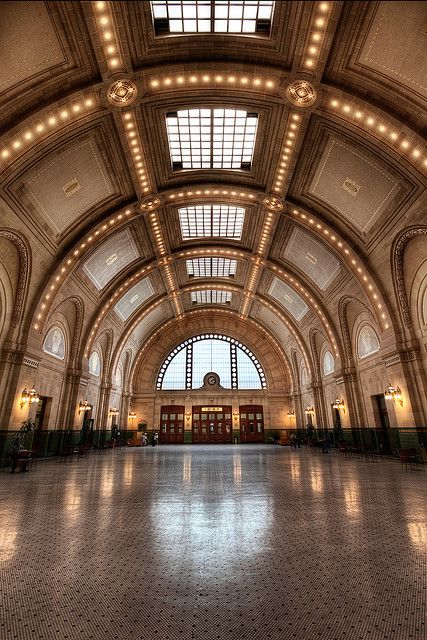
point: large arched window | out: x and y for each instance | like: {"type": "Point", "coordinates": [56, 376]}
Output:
{"type": "Point", "coordinates": [186, 366]}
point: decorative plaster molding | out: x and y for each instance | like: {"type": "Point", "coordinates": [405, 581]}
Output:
{"type": "Point", "coordinates": [397, 268]}
{"type": "Point", "coordinates": [30, 362]}
{"type": "Point", "coordinates": [22, 275]}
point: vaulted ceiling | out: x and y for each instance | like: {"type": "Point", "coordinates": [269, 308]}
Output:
{"type": "Point", "coordinates": [91, 95]}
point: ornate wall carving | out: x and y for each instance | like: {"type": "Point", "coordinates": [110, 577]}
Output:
{"type": "Point", "coordinates": [22, 275]}
{"type": "Point", "coordinates": [397, 270]}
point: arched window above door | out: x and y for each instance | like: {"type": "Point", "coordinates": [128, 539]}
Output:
{"type": "Point", "coordinates": [187, 364]}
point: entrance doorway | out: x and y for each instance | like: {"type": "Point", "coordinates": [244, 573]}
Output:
{"type": "Point", "coordinates": [211, 425]}
{"type": "Point", "coordinates": [251, 423]}
{"type": "Point", "coordinates": [382, 420]}
{"type": "Point", "coordinates": [39, 422]}
{"type": "Point", "coordinates": [172, 424]}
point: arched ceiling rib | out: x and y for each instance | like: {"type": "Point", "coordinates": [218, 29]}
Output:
{"type": "Point", "coordinates": [127, 180]}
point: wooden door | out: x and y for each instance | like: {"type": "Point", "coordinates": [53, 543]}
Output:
{"type": "Point", "coordinates": [211, 425]}
{"type": "Point", "coordinates": [251, 423]}
{"type": "Point", "coordinates": [172, 424]}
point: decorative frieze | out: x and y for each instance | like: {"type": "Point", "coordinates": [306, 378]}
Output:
{"type": "Point", "coordinates": [30, 362]}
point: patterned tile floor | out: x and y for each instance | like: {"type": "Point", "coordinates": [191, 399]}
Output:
{"type": "Point", "coordinates": [213, 542]}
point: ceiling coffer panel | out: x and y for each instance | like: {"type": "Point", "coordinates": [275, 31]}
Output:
{"type": "Point", "coordinates": [111, 257]}
{"type": "Point", "coordinates": [272, 322]}
{"type": "Point", "coordinates": [155, 318]}
{"type": "Point", "coordinates": [288, 298]}
{"type": "Point", "coordinates": [70, 182]}
{"type": "Point", "coordinates": [312, 258]}
{"type": "Point", "coordinates": [395, 46]}
{"type": "Point", "coordinates": [39, 50]}
{"type": "Point", "coordinates": [354, 184]}
{"type": "Point", "coordinates": [134, 298]}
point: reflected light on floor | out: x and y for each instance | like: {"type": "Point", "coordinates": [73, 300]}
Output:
{"type": "Point", "coordinates": [418, 533]}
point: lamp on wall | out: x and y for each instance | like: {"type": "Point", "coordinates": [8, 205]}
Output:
{"type": "Point", "coordinates": [132, 415]}
{"type": "Point", "coordinates": [114, 411]}
{"type": "Point", "coordinates": [339, 404]}
{"type": "Point", "coordinates": [84, 406]}
{"type": "Point", "coordinates": [291, 414]}
{"type": "Point", "coordinates": [393, 393]}
{"type": "Point", "coordinates": [309, 411]}
{"type": "Point", "coordinates": [28, 397]}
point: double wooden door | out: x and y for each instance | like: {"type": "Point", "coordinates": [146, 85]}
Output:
{"type": "Point", "coordinates": [172, 424]}
{"type": "Point", "coordinates": [251, 423]}
{"type": "Point", "coordinates": [211, 425]}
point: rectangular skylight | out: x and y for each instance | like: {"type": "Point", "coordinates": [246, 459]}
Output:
{"type": "Point", "coordinates": [210, 297]}
{"type": "Point", "coordinates": [211, 138]}
{"type": "Point", "coordinates": [211, 267]}
{"type": "Point", "coordinates": [216, 16]}
{"type": "Point", "coordinates": [211, 220]}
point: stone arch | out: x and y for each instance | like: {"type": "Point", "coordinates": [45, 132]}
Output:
{"type": "Point", "coordinates": [397, 255]}
{"type": "Point", "coordinates": [23, 273]}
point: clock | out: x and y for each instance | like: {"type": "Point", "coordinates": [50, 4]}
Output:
{"type": "Point", "coordinates": [211, 380]}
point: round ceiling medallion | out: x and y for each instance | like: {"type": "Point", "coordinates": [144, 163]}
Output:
{"type": "Point", "coordinates": [122, 93]}
{"type": "Point", "coordinates": [301, 93]}
{"type": "Point", "coordinates": [273, 203]}
{"type": "Point", "coordinates": [150, 203]}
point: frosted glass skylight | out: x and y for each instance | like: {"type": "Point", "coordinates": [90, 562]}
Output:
{"type": "Point", "coordinates": [211, 267]}
{"type": "Point", "coordinates": [217, 16]}
{"type": "Point", "coordinates": [211, 220]}
{"type": "Point", "coordinates": [211, 138]}
{"type": "Point", "coordinates": [211, 297]}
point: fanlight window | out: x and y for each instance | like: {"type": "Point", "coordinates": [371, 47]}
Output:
{"type": "Point", "coordinates": [95, 364]}
{"type": "Point", "coordinates": [328, 363]}
{"type": "Point", "coordinates": [189, 362]}
{"type": "Point", "coordinates": [367, 342]}
{"type": "Point", "coordinates": [54, 343]}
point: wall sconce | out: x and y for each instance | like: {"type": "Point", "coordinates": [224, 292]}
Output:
{"type": "Point", "coordinates": [339, 404]}
{"type": "Point", "coordinates": [85, 406]}
{"type": "Point", "coordinates": [309, 411]}
{"type": "Point", "coordinates": [132, 415]}
{"type": "Point", "coordinates": [187, 415]}
{"type": "Point", "coordinates": [235, 415]}
{"type": "Point", "coordinates": [291, 414]}
{"type": "Point", "coordinates": [394, 393]}
{"type": "Point", "coordinates": [28, 397]}
{"type": "Point", "coordinates": [114, 411]}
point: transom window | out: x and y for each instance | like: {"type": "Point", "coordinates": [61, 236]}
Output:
{"type": "Point", "coordinates": [211, 267]}
{"type": "Point", "coordinates": [186, 366]}
{"type": "Point", "coordinates": [218, 16]}
{"type": "Point", "coordinates": [210, 297]}
{"type": "Point", "coordinates": [211, 220]}
{"type": "Point", "coordinates": [211, 138]}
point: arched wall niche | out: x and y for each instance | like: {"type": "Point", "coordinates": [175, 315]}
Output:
{"type": "Point", "coordinates": [272, 359]}
{"type": "Point", "coordinates": [6, 302]}
{"type": "Point", "coordinates": [415, 275]}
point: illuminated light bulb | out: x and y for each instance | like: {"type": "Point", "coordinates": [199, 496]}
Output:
{"type": "Point", "coordinates": [167, 81]}
{"type": "Point", "coordinates": [346, 108]}
{"type": "Point", "coordinates": [107, 35]}
{"type": "Point", "coordinates": [316, 36]}
{"type": "Point", "coordinates": [103, 20]}
{"type": "Point", "coordinates": [5, 153]}
{"type": "Point", "coordinates": [16, 144]}
{"type": "Point", "coordinates": [193, 79]}
{"type": "Point", "coordinates": [370, 122]}
{"type": "Point", "coordinates": [64, 114]}
{"type": "Point", "coordinates": [111, 49]}
{"type": "Point", "coordinates": [113, 62]}
{"type": "Point", "coordinates": [308, 62]}
{"type": "Point", "coordinates": [76, 108]}
{"type": "Point", "coordinates": [154, 83]}
{"type": "Point", "coordinates": [180, 79]}
{"type": "Point", "coordinates": [313, 50]}
{"type": "Point", "coordinates": [358, 115]}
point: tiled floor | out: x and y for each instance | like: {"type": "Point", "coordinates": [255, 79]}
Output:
{"type": "Point", "coordinates": [219, 542]}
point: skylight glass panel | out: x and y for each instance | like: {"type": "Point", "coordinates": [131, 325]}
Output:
{"type": "Point", "coordinates": [211, 220]}
{"type": "Point", "coordinates": [211, 297]}
{"type": "Point", "coordinates": [211, 267]}
{"type": "Point", "coordinates": [247, 17]}
{"type": "Point", "coordinates": [211, 138]}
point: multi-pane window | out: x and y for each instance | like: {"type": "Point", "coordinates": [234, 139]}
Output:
{"type": "Point", "coordinates": [212, 16]}
{"type": "Point", "coordinates": [189, 362]}
{"type": "Point", "coordinates": [211, 267]}
{"type": "Point", "coordinates": [211, 138]}
{"type": "Point", "coordinates": [211, 220]}
{"type": "Point", "coordinates": [210, 297]}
